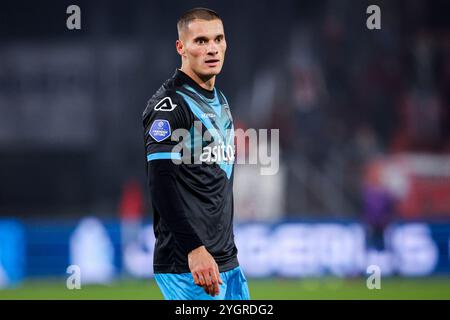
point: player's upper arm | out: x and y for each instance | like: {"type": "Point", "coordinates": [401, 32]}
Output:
{"type": "Point", "coordinates": [162, 117]}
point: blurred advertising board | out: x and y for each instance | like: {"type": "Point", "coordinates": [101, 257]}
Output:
{"type": "Point", "coordinates": [285, 249]}
{"type": "Point", "coordinates": [12, 252]}
{"type": "Point", "coordinates": [317, 249]}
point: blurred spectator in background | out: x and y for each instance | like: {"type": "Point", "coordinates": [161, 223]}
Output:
{"type": "Point", "coordinates": [131, 211]}
{"type": "Point", "coordinates": [378, 206]}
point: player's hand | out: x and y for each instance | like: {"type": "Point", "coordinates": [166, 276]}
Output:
{"type": "Point", "coordinates": [205, 271]}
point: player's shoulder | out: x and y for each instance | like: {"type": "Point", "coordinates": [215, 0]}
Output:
{"type": "Point", "coordinates": [165, 99]}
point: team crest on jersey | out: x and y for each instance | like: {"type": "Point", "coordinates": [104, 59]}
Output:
{"type": "Point", "coordinates": [160, 130]}
{"type": "Point", "coordinates": [165, 104]}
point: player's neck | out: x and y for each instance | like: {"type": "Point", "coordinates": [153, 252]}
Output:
{"type": "Point", "coordinates": [207, 84]}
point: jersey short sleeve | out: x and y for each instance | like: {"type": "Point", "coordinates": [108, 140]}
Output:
{"type": "Point", "coordinates": [164, 115]}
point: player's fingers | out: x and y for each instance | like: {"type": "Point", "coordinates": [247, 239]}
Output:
{"type": "Point", "coordinates": [218, 275]}
{"type": "Point", "coordinates": [196, 281]}
{"type": "Point", "coordinates": [210, 290]}
{"type": "Point", "coordinates": [205, 282]}
{"type": "Point", "coordinates": [215, 282]}
{"type": "Point", "coordinates": [209, 281]}
{"type": "Point", "coordinates": [207, 277]}
{"type": "Point", "coordinates": [201, 279]}
{"type": "Point", "coordinates": [206, 288]}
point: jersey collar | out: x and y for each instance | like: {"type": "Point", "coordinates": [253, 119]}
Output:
{"type": "Point", "coordinates": [183, 78]}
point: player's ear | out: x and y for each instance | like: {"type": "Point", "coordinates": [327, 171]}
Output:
{"type": "Point", "coordinates": [180, 47]}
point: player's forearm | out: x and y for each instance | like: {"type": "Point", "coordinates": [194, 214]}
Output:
{"type": "Point", "coordinates": [167, 202]}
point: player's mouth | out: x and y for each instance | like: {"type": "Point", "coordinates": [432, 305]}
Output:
{"type": "Point", "coordinates": [212, 62]}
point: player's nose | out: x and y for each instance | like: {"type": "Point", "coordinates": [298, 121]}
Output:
{"type": "Point", "coordinates": [212, 49]}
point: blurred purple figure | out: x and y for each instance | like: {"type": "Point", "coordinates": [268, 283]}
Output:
{"type": "Point", "coordinates": [378, 206]}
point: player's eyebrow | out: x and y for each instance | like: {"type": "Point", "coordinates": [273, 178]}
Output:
{"type": "Point", "coordinates": [205, 38]}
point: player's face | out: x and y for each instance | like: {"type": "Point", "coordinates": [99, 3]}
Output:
{"type": "Point", "coordinates": [204, 47]}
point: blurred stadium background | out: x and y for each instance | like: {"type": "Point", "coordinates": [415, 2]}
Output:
{"type": "Point", "coordinates": [364, 119]}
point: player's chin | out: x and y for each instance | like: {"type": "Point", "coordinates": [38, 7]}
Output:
{"type": "Point", "coordinates": [212, 71]}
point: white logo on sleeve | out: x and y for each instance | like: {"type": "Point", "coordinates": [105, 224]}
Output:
{"type": "Point", "coordinates": [165, 105]}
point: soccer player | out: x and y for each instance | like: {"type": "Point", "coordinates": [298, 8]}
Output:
{"type": "Point", "coordinates": [192, 195]}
